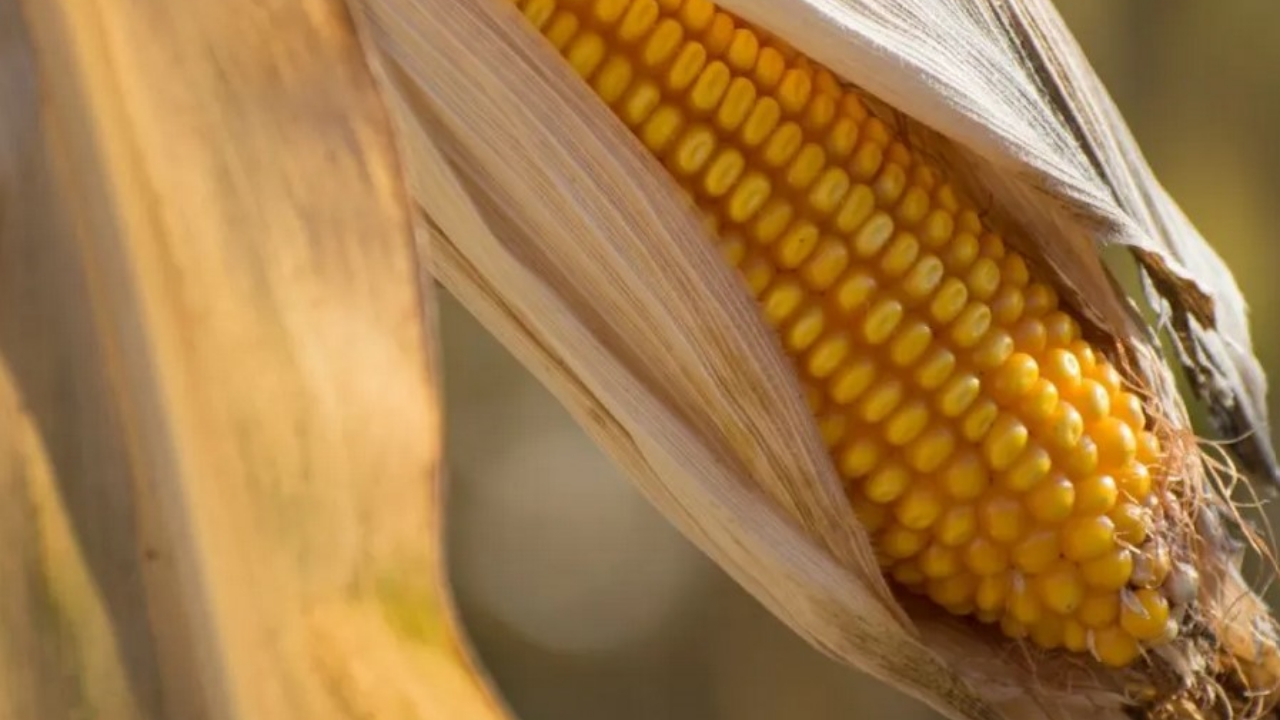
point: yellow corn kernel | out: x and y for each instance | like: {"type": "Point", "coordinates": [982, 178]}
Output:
{"type": "Point", "coordinates": [1143, 614]}
{"type": "Point", "coordinates": [998, 461]}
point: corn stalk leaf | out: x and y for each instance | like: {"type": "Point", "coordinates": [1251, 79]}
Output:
{"type": "Point", "coordinates": [219, 439]}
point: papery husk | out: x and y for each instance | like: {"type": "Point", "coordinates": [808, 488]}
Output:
{"type": "Point", "coordinates": [219, 434]}
{"type": "Point", "coordinates": [561, 233]}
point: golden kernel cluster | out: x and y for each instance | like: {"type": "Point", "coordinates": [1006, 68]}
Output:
{"type": "Point", "coordinates": [998, 462]}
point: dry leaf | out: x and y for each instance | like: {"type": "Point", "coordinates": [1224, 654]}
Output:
{"type": "Point", "coordinates": [220, 436]}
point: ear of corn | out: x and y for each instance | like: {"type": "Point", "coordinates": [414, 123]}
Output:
{"type": "Point", "coordinates": [995, 456]}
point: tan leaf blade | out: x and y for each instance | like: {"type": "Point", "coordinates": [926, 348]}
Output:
{"type": "Point", "coordinates": [218, 429]}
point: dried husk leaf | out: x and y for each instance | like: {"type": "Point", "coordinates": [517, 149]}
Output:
{"type": "Point", "coordinates": [561, 233]}
{"type": "Point", "coordinates": [219, 440]}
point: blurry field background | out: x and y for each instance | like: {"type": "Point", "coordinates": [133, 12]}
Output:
{"type": "Point", "coordinates": [585, 604]}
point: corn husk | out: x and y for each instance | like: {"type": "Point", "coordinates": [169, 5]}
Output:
{"type": "Point", "coordinates": [567, 240]}
{"type": "Point", "coordinates": [219, 439]}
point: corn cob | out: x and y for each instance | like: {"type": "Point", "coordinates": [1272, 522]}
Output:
{"type": "Point", "coordinates": [996, 458]}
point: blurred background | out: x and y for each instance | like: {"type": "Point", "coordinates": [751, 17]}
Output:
{"type": "Point", "coordinates": [584, 603]}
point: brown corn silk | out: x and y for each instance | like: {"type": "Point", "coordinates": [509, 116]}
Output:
{"type": "Point", "coordinates": [560, 232]}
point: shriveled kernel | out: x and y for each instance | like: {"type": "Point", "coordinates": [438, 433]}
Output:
{"type": "Point", "coordinates": [1053, 500]}
{"type": "Point", "coordinates": [1151, 565]}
